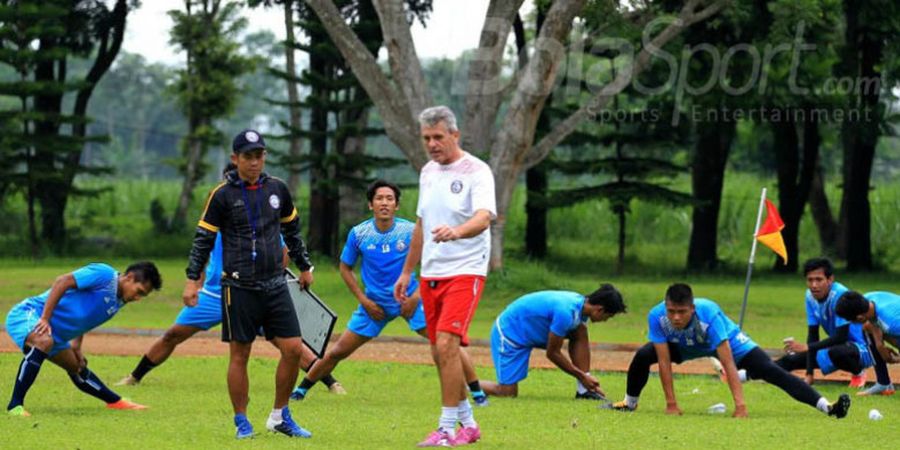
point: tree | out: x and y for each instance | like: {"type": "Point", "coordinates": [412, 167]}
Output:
{"type": "Point", "coordinates": [510, 140]}
{"type": "Point", "coordinates": [38, 39]}
{"type": "Point", "coordinates": [207, 87]}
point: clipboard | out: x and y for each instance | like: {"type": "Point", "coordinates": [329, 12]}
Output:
{"type": "Point", "coordinates": [316, 319]}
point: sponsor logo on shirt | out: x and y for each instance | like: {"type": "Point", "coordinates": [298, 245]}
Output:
{"type": "Point", "coordinates": [370, 247]}
{"type": "Point", "coordinates": [456, 186]}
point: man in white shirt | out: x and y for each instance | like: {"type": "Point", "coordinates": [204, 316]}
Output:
{"type": "Point", "coordinates": [452, 239]}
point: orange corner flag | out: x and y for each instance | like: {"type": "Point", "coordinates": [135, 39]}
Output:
{"type": "Point", "coordinates": [770, 231]}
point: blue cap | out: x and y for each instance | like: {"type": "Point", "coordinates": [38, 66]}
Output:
{"type": "Point", "coordinates": [247, 140]}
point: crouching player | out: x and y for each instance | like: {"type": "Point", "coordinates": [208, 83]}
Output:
{"type": "Point", "coordinates": [52, 325]}
{"type": "Point", "coordinates": [879, 312]}
{"type": "Point", "coordinates": [545, 320]}
{"type": "Point", "coordinates": [682, 328]}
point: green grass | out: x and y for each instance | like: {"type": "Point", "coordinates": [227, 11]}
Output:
{"type": "Point", "coordinates": [775, 310]}
{"type": "Point", "coordinates": [394, 406]}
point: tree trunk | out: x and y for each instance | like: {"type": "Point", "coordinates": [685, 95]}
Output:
{"type": "Point", "coordinates": [536, 211]}
{"type": "Point", "coordinates": [193, 156]}
{"type": "Point", "coordinates": [620, 258]}
{"type": "Point", "coordinates": [707, 177]}
{"type": "Point", "coordinates": [864, 55]}
{"type": "Point", "coordinates": [294, 141]}
{"type": "Point", "coordinates": [821, 213]}
{"type": "Point", "coordinates": [319, 212]}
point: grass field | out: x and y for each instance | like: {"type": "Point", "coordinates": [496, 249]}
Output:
{"type": "Point", "coordinates": [393, 406]}
{"type": "Point", "coordinates": [775, 308]}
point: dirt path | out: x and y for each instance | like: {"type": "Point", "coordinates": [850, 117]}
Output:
{"type": "Point", "coordinates": [604, 357]}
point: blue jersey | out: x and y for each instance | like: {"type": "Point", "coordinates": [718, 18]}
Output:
{"type": "Point", "coordinates": [530, 319]}
{"type": "Point", "coordinates": [823, 314]}
{"type": "Point", "coordinates": [94, 301]}
{"type": "Point", "coordinates": [707, 329]}
{"type": "Point", "coordinates": [887, 312]}
{"type": "Point", "coordinates": [383, 255]}
{"type": "Point", "coordinates": [212, 282]}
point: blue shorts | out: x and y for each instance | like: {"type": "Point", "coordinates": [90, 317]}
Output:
{"type": "Point", "coordinates": [827, 366]}
{"type": "Point", "coordinates": [21, 320]}
{"type": "Point", "coordinates": [364, 325]}
{"type": "Point", "coordinates": [207, 313]}
{"type": "Point", "coordinates": [510, 359]}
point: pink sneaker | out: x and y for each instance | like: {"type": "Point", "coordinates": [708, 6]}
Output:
{"type": "Point", "coordinates": [437, 439]}
{"type": "Point", "coordinates": [467, 435]}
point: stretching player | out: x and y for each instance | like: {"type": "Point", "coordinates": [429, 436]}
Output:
{"type": "Point", "coordinates": [544, 320]}
{"type": "Point", "coordinates": [682, 328]}
{"type": "Point", "coordinates": [879, 312]}
{"type": "Point", "coordinates": [52, 325]}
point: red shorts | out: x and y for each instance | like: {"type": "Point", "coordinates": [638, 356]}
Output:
{"type": "Point", "coordinates": [450, 304]}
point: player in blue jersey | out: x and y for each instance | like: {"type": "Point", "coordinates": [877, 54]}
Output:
{"type": "Point", "coordinates": [381, 243]}
{"type": "Point", "coordinates": [52, 325]}
{"type": "Point", "coordinates": [684, 328]}
{"type": "Point", "coordinates": [879, 313]}
{"type": "Point", "coordinates": [207, 314]}
{"type": "Point", "coordinates": [545, 319]}
{"type": "Point", "coordinates": [845, 348]}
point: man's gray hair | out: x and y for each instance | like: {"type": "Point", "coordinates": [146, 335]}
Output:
{"type": "Point", "coordinates": [432, 116]}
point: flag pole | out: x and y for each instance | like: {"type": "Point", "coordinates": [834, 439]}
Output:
{"type": "Point", "coordinates": [762, 204]}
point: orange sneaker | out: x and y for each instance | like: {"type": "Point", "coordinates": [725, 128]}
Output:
{"type": "Point", "coordinates": [125, 404]}
{"type": "Point", "coordinates": [18, 411]}
{"type": "Point", "coordinates": [858, 381]}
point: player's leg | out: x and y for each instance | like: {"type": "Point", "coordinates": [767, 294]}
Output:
{"type": "Point", "coordinates": [580, 354]}
{"type": "Point", "coordinates": [792, 361]}
{"type": "Point", "coordinates": [849, 358]}
{"type": "Point", "coordinates": [510, 365]}
{"type": "Point", "coordinates": [639, 373]}
{"type": "Point", "coordinates": [471, 377]}
{"type": "Point", "coordinates": [344, 347]}
{"type": "Point", "coordinates": [759, 366]}
{"type": "Point", "coordinates": [159, 352]}
{"type": "Point", "coordinates": [307, 360]}
{"type": "Point", "coordinates": [36, 349]}
{"type": "Point", "coordinates": [242, 314]}
{"type": "Point", "coordinates": [88, 382]}
{"type": "Point", "coordinates": [883, 384]}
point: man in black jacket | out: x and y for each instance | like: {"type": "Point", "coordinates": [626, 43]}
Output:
{"type": "Point", "coordinates": [251, 209]}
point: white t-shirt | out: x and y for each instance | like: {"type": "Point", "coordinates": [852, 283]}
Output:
{"type": "Point", "coordinates": [449, 195]}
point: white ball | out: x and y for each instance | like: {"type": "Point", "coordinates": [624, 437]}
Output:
{"type": "Point", "coordinates": [875, 415]}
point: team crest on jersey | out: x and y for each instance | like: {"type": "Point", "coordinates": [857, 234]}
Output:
{"type": "Point", "coordinates": [370, 247]}
{"type": "Point", "coordinates": [401, 246]}
{"type": "Point", "coordinates": [274, 201]}
{"type": "Point", "coordinates": [456, 186]}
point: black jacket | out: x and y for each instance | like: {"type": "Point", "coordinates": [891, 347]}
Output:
{"type": "Point", "coordinates": [233, 209]}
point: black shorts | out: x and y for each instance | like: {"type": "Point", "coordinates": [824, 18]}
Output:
{"type": "Point", "coordinates": [246, 311]}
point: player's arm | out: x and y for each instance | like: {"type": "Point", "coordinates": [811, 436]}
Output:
{"type": "Point", "coordinates": [204, 240]}
{"type": "Point", "coordinates": [349, 278]}
{"type": "Point", "coordinates": [812, 336]}
{"type": "Point", "coordinates": [476, 224]}
{"type": "Point", "coordinates": [878, 339]}
{"type": "Point", "coordinates": [556, 356]}
{"type": "Point", "coordinates": [76, 348]}
{"type": "Point", "coordinates": [664, 361]}
{"type": "Point", "coordinates": [412, 260]}
{"type": "Point", "coordinates": [60, 285]}
{"type": "Point", "coordinates": [726, 357]}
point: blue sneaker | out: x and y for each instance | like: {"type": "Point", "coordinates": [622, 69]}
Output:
{"type": "Point", "coordinates": [480, 398]}
{"type": "Point", "coordinates": [244, 429]}
{"type": "Point", "coordinates": [299, 393]}
{"type": "Point", "coordinates": [287, 426]}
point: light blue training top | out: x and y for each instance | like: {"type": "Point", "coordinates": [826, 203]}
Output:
{"type": "Point", "coordinates": [887, 311]}
{"type": "Point", "coordinates": [529, 319]}
{"type": "Point", "coordinates": [383, 255]}
{"type": "Point", "coordinates": [823, 314]}
{"type": "Point", "coordinates": [707, 329]}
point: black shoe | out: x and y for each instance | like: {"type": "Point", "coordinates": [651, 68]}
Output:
{"type": "Point", "coordinates": [840, 407]}
{"type": "Point", "coordinates": [590, 395]}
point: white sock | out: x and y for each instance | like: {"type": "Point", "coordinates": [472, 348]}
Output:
{"type": "Point", "coordinates": [823, 405]}
{"type": "Point", "coordinates": [742, 375]}
{"type": "Point", "coordinates": [275, 415]}
{"type": "Point", "coordinates": [580, 387]}
{"type": "Point", "coordinates": [631, 401]}
{"type": "Point", "coordinates": [447, 424]}
{"type": "Point", "coordinates": [466, 417]}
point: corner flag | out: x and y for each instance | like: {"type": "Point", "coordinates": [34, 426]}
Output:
{"type": "Point", "coordinates": [769, 233]}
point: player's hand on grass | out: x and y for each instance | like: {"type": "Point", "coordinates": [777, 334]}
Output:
{"type": "Point", "coordinates": [306, 279]}
{"type": "Point", "coordinates": [444, 233]}
{"type": "Point", "coordinates": [795, 347]}
{"type": "Point", "coordinates": [42, 327]}
{"type": "Point", "coordinates": [189, 295]}
{"type": "Point", "coordinates": [672, 409]}
{"type": "Point", "coordinates": [375, 311]}
{"type": "Point", "coordinates": [740, 411]}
